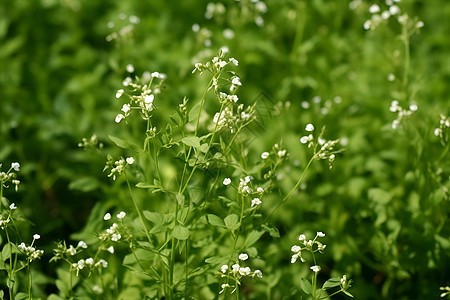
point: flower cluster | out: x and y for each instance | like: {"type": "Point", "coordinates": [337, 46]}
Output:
{"type": "Point", "coordinates": [118, 166]}
{"type": "Point", "coordinates": [90, 264]}
{"type": "Point", "coordinates": [91, 143]}
{"type": "Point", "coordinates": [126, 27]}
{"type": "Point", "coordinates": [31, 252]}
{"type": "Point", "coordinates": [323, 106]}
{"type": "Point", "coordinates": [10, 176]}
{"type": "Point", "coordinates": [446, 291]}
{"type": "Point", "coordinates": [63, 252]}
{"type": "Point", "coordinates": [312, 246]}
{"type": "Point", "coordinates": [236, 272]}
{"type": "Point", "coordinates": [444, 125]}
{"type": "Point", "coordinates": [215, 66]}
{"type": "Point", "coordinates": [227, 117]}
{"type": "Point", "coordinates": [396, 108]}
{"type": "Point", "coordinates": [391, 10]}
{"type": "Point", "coordinates": [113, 233]}
{"type": "Point", "coordinates": [142, 94]}
{"type": "Point", "coordinates": [323, 149]}
{"type": "Point", "coordinates": [4, 221]}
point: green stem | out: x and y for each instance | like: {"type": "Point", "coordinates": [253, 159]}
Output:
{"type": "Point", "coordinates": [29, 282]}
{"type": "Point", "coordinates": [293, 189]}
{"type": "Point", "coordinates": [11, 269]}
{"type": "Point", "coordinates": [405, 37]}
{"type": "Point", "coordinates": [141, 217]}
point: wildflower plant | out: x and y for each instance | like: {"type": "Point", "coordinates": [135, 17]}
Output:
{"type": "Point", "coordinates": [311, 287]}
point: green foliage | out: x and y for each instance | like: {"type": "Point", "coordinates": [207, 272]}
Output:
{"type": "Point", "coordinates": [384, 204]}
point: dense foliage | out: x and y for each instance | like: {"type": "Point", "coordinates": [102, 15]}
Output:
{"type": "Point", "coordinates": [313, 120]}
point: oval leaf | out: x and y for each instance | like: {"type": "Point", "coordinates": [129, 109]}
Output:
{"type": "Point", "coordinates": [232, 222]}
{"type": "Point", "coordinates": [180, 232]}
{"type": "Point", "coordinates": [306, 286]}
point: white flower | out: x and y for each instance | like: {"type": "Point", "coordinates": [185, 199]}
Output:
{"type": "Point", "coordinates": [130, 68]}
{"type": "Point", "coordinates": [195, 27]}
{"type": "Point", "coordinates": [89, 261]}
{"type": "Point", "coordinates": [12, 206]}
{"type": "Point", "coordinates": [127, 81]}
{"type": "Point", "coordinates": [126, 108]}
{"type": "Point", "coordinates": [121, 215]}
{"type": "Point", "coordinates": [110, 249]}
{"type": "Point", "coordinates": [82, 244]}
{"type": "Point", "coordinates": [258, 273]}
{"type": "Point", "coordinates": [260, 190]}
{"type": "Point", "coordinates": [115, 237]}
{"type": "Point", "coordinates": [97, 289]}
{"type": "Point", "coordinates": [437, 131]}
{"type": "Point", "coordinates": [15, 166]}
{"type": "Point", "coordinates": [394, 9]}
{"type": "Point", "coordinates": [296, 248]}
{"type": "Point", "coordinates": [80, 264]}
{"type": "Point", "coordinates": [245, 271]}
{"type": "Point", "coordinates": [265, 155]}
{"type": "Point", "coordinates": [22, 246]}
{"type": "Point", "coordinates": [119, 118]}
{"type": "Point", "coordinates": [374, 8]}
{"type": "Point", "coordinates": [236, 81]}
{"type": "Point", "coordinates": [309, 127]}
{"type": "Point", "coordinates": [102, 262]}
{"type": "Point", "coordinates": [304, 139]}
{"type": "Point", "coordinates": [385, 15]}
{"type": "Point", "coordinates": [420, 24]}
{"type": "Point", "coordinates": [72, 251]}
{"type": "Point", "coordinates": [130, 160]}
{"type": "Point", "coordinates": [281, 153]}
{"type": "Point", "coordinates": [235, 268]}
{"type": "Point", "coordinates": [36, 236]}
{"type": "Point", "coordinates": [320, 234]}
{"type": "Point", "coordinates": [343, 280]}
{"type": "Point", "coordinates": [243, 256]}
{"type": "Point", "coordinates": [294, 258]}
{"type": "Point", "coordinates": [234, 61]}
{"type": "Point", "coordinates": [367, 24]}
{"type": "Point", "coordinates": [228, 34]}
{"type": "Point", "coordinates": [256, 202]}
{"type": "Point", "coordinates": [413, 107]}
{"type": "Point", "coordinates": [224, 268]}
{"type": "Point", "coordinates": [315, 268]}
{"type": "Point", "coordinates": [226, 181]}
{"type": "Point", "coordinates": [107, 217]}
{"type": "Point", "coordinates": [302, 237]}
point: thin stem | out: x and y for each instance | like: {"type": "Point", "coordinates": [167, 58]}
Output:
{"type": "Point", "coordinates": [141, 217]}
{"type": "Point", "coordinates": [11, 269]}
{"type": "Point", "coordinates": [405, 37]}
{"type": "Point", "coordinates": [293, 189]}
{"type": "Point", "coordinates": [29, 282]}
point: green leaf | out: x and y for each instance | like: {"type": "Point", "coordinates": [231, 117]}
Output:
{"type": "Point", "coordinates": [144, 185]}
{"type": "Point", "coordinates": [306, 286]}
{"type": "Point", "coordinates": [332, 282]}
{"type": "Point", "coordinates": [191, 141]}
{"type": "Point", "coordinates": [21, 296]}
{"type": "Point", "coordinates": [154, 217]}
{"type": "Point", "coordinates": [348, 294]}
{"type": "Point", "coordinates": [272, 230]}
{"type": "Point", "coordinates": [193, 113]}
{"type": "Point", "coordinates": [180, 199]}
{"type": "Point", "coordinates": [254, 236]}
{"type": "Point", "coordinates": [204, 148]}
{"type": "Point", "coordinates": [54, 297]}
{"type": "Point", "coordinates": [232, 222]}
{"type": "Point", "coordinates": [123, 144]}
{"type": "Point", "coordinates": [84, 184]}
{"type": "Point", "coordinates": [180, 232]}
{"type": "Point", "coordinates": [216, 260]}
{"type": "Point", "coordinates": [215, 220]}
{"type": "Point", "coordinates": [195, 194]}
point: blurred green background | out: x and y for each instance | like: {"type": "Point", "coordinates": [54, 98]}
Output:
{"type": "Point", "coordinates": [385, 203]}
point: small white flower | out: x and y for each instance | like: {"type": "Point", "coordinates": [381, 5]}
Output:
{"type": "Point", "coordinates": [258, 273]}
{"type": "Point", "coordinates": [234, 61]}
{"type": "Point", "coordinates": [304, 139]}
{"type": "Point", "coordinates": [89, 261]}
{"type": "Point", "coordinates": [343, 280]}
{"type": "Point", "coordinates": [296, 248]}
{"type": "Point", "coordinates": [224, 268]}
{"type": "Point", "coordinates": [243, 256]}
{"type": "Point", "coordinates": [121, 215]}
{"type": "Point", "coordinates": [420, 24]}
{"type": "Point", "coordinates": [115, 237]}
{"type": "Point", "coordinates": [72, 251]}
{"type": "Point", "coordinates": [228, 34]}
{"type": "Point", "coordinates": [309, 127]}
{"type": "Point", "coordinates": [256, 202]}
{"type": "Point", "coordinates": [80, 264]}
{"type": "Point", "coordinates": [195, 27]}
{"type": "Point", "coordinates": [97, 289]}
{"type": "Point", "coordinates": [127, 81]}
{"type": "Point", "coordinates": [260, 190]}
{"type": "Point", "coordinates": [265, 155]}
{"type": "Point", "coordinates": [413, 107]}
{"type": "Point", "coordinates": [385, 15]}
{"type": "Point", "coordinates": [119, 118]}
{"type": "Point", "coordinates": [374, 8]}
{"type": "Point", "coordinates": [130, 160]}
{"type": "Point", "coordinates": [235, 268]}
{"type": "Point", "coordinates": [126, 108]}
{"type": "Point", "coordinates": [226, 181]}
{"type": "Point", "coordinates": [22, 246]}
{"type": "Point", "coordinates": [437, 132]}
{"type": "Point", "coordinates": [236, 81]}
{"type": "Point", "coordinates": [394, 9]}
{"type": "Point", "coordinates": [281, 153]}
{"type": "Point", "coordinates": [320, 234]}
{"type": "Point", "coordinates": [367, 24]}
{"type": "Point", "coordinates": [110, 249]}
{"type": "Point", "coordinates": [12, 206]}
{"type": "Point", "coordinates": [36, 236]}
{"type": "Point", "coordinates": [107, 217]}
{"type": "Point", "coordinates": [245, 271]}
{"type": "Point", "coordinates": [82, 244]}
{"type": "Point", "coordinates": [315, 268]}
{"type": "Point", "coordinates": [130, 68]}
{"type": "Point", "coordinates": [15, 166]}
{"type": "Point", "coordinates": [302, 237]}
